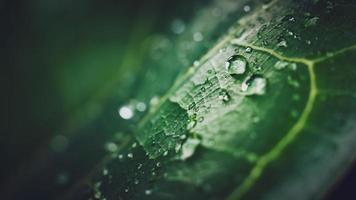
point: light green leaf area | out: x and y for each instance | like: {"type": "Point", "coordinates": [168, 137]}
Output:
{"type": "Point", "coordinates": [267, 113]}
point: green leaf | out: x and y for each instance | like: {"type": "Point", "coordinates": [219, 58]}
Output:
{"type": "Point", "coordinates": [267, 113]}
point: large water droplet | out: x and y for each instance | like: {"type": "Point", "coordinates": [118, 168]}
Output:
{"type": "Point", "coordinates": [189, 147]}
{"type": "Point", "coordinates": [236, 64]}
{"type": "Point", "coordinates": [126, 112]}
{"type": "Point", "coordinates": [254, 85]}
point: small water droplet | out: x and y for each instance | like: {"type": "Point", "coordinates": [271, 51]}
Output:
{"type": "Point", "coordinates": [165, 153]}
{"type": "Point", "coordinates": [224, 96]}
{"type": "Point", "coordinates": [282, 43]}
{"type": "Point", "coordinates": [126, 112]}
{"type": "Point", "coordinates": [248, 50]}
{"type": "Point", "coordinates": [254, 85]}
{"type": "Point", "coordinates": [126, 190]}
{"type": "Point", "coordinates": [189, 147]}
{"type": "Point", "coordinates": [134, 145]}
{"type": "Point", "coordinates": [198, 37]}
{"type": "Point", "coordinates": [136, 181]}
{"type": "Point", "coordinates": [105, 172]}
{"type": "Point", "coordinates": [191, 123]}
{"type": "Point", "coordinates": [182, 137]}
{"type": "Point", "coordinates": [236, 64]}
{"type": "Point", "coordinates": [196, 63]}
{"type": "Point", "coordinates": [148, 192]}
{"type": "Point", "coordinates": [111, 147]}
{"type": "Point", "coordinates": [247, 8]}
{"type": "Point", "coordinates": [158, 164]}
{"type": "Point", "coordinates": [130, 155]}
{"type": "Point", "coordinates": [120, 156]}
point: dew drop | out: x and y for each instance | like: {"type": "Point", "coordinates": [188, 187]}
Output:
{"type": "Point", "coordinates": [134, 145]}
{"type": "Point", "coordinates": [141, 106]}
{"type": "Point", "coordinates": [191, 123]}
{"type": "Point", "coordinates": [224, 96]}
{"type": "Point", "coordinates": [158, 164]}
{"type": "Point", "coordinates": [126, 190]}
{"type": "Point", "coordinates": [165, 153]}
{"type": "Point", "coordinates": [236, 64]}
{"type": "Point", "coordinates": [136, 181]}
{"type": "Point", "coordinates": [189, 147]}
{"type": "Point", "coordinates": [111, 147]}
{"type": "Point", "coordinates": [198, 37]}
{"type": "Point", "coordinates": [248, 50]}
{"type": "Point", "coordinates": [126, 112]}
{"type": "Point", "coordinates": [282, 43]}
{"type": "Point", "coordinates": [105, 172]}
{"type": "Point", "coordinates": [148, 192]}
{"type": "Point", "coordinates": [130, 155]}
{"type": "Point", "coordinates": [254, 85]}
{"type": "Point", "coordinates": [247, 8]}
{"type": "Point", "coordinates": [120, 156]}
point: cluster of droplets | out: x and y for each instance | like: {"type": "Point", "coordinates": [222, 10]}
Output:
{"type": "Point", "coordinates": [128, 111]}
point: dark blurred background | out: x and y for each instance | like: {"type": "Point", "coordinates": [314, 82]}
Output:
{"type": "Point", "coordinates": [68, 65]}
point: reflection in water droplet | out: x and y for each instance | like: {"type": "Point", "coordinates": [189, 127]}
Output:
{"type": "Point", "coordinates": [236, 64]}
{"type": "Point", "coordinates": [189, 147]}
{"type": "Point", "coordinates": [141, 106]}
{"type": "Point", "coordinates": [126, 112]}
{"type": "Point", "coordinates": [254, 85]}
{"type": "Point", "coordinates": [148, 192]}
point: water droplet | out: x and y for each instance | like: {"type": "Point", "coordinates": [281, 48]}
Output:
{"type": "Point", "coordinates": [158, 164]}
{"type": "Point", "coordinates": [189, 147]}
{"type": "Point", "coordinates": [177, 26]}
{"type": "Point", "coordinates": [165, 153]}
{"type": "Point", "coordinates": [126, 190]}
{"type": "Point", "coordinates": [254, 85]}
{"type": "Point", "coordinates": [105, 172]}
{"type": "Point", "coordinates": [126, 112]}
{"type": "Point", "coordinates": [280, 65]}
{"type": "Point", "coordinates": [308, 42]}
{"type": "Point", "coordinates": [120, 156]}
{"type": "Point", "coordinates": [282, 43]}
{"type": "Point", "coordinates": [224, 96]}
{"type": "Point", "coordinates": [111, 147]}
{"type": "Point", "coordinates": [136, 181]}
{"type": "Point", "coordinates": [148, 192]}
{"type": "Point", "coordinates": [134, 145]}
{"type": "Point", "coordinates": [141, 106]}
{"type": "Point", "coordinates": [198, 36]}
{"type": "Point", "coordinates": [191, 123]}
{"type": "Point", "coordinates": [248, 50]}
{"type": "Point", "coordinates": [236, 64]}
{"type": "Point", "coordinates": [247, 8]}
{"type": "Point", "coordinates": [196, 63]}
{"type": "Point", "coordinates": [130, 155]}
